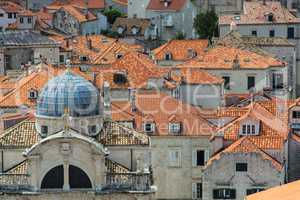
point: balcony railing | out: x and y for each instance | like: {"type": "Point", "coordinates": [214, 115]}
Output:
{"type": "Point", "coordinates": [128, 181]}
{"type": "Point", "coordinates": [14, 182]}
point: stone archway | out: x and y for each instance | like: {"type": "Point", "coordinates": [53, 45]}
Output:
{"type": "Point", "coordinates": [78, 179]}
{"type": "Point", "coordinates": [54, 179]}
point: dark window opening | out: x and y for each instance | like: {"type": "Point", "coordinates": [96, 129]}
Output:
{"type": "Point", "coordinates": [241, 167]}
{"type": "Point", "coordinates": [168, 56]}
{"type": "Point", "coordinates": [78, 178]}
{"type": "Point", "coordinates": [254, 190]}
{"type": "Point", "coordinates": [225, 193]}
{"type": "Point", "coordinates": [10, 15]}
{"type": "Point", "coordinates": [226, 82]}
{"type": "Point", "coordinates": [277, 81]}
{"type": "Point", "coordinates": [44, 130]}
{"type": "Point", "coordinates": [200, 158]}
{"type": "Point", "coordinates": [254, 33]}
{"type": "Point", "coordinates": [296, 114]}
{"type": "Point", "coordinates": [21, 20]}
{"type": "Point", "coordinates": [29, 20]}
{"type": "Point", "coordinates": [92, 129]}
{"type": "Point", "coordinates": [251, 82]}
{"type": "Point", "coordinates": [272, 33]}
{"type": "Point", "coordinates": [61, 58]}
{"type": "Point", "coordinates": [54, 179]}
{"type": "Point", "coordinates": [120, 78]}
{"type": "Point", "coordinates": [199, 190]}
{"type": "Point", "coordinates": [290, 33]}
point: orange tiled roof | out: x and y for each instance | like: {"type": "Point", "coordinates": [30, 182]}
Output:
{"type": "Point", "coordinates": [21, 136]}
{"type": "Point", "coordinates": [137, 67]}
{"type": "Point", "coordinates": [121, 2]}
{"type": "Point", "coordinates": [19, 95]}
{"type": "Point", "coordinates": [255, 12]}
{"type": "Point", "coordinates": [91, 4]}
{"type": "Point", "coordinates": [246, 145]}
{"type": "Point", "coordinates": [227, 58]}
{"type": "Point", "coordinates": [10, 7]}
{"type": "Point", "coordinates": [272, 131]}
{"type": "Point", "coordinates": [78, 14]}
{"type": "Point", "coordinates": [192, 76]}
{"type": "Point", "coordinates": [288, 191]}
{"type": "Point", "coordinates": [174, 5]}
{"type": "Point", "coordinates": [162, 109]}
{"type": "Point", "coordinates": [179, 49]}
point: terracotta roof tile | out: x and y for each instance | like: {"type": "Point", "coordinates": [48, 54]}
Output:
{"type": "Point", "coordinates": [121, 2]}
{"type": "Point", "coordinates": [21, 168]}
{"type": "Point", "coordinates": [21, 136]}
{"type": "Point", "coordinates": [288, 191]}
{"type": "Point", "coordinates": [194, 76]}
{"type": "Point", "coordinates": [256, 12]}
{"type": "Point", "coordinates": [179, 49]}
{"type": "Point", "coordinates": [245, 145]}
{"type": "Point", "coordinates": [78, 13]}
{"type": "Point", "coordinates": [174, 5]}
{"type": "Point", "coordinates": [10, 7]}
{"type": "Point", "coordinates": [162, 109]}
{"type": "Point", "coordinates": [229, 57]}
{"type": "Point", "coordinates": [137, 68]}
{"type": "Point", "coordinates": [91, 4]}
{"type": "Point", "coordinates": [128, 23]}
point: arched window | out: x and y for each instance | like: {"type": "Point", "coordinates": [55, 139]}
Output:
{"type": "Point", "coordinates": [78, 178]}
{"type": "Point", "coordinates": [54, 179]}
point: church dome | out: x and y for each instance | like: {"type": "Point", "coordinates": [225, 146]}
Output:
{"type": "Point", "coordinates": [68, 91]}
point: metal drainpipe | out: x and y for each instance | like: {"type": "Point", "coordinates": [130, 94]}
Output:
{"type": "Point", "coordinates": [2, 161]}
{"type": "Point", "coordinates": [131, 161]}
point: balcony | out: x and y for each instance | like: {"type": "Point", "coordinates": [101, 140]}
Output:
{"type": "Point", "coordinates": [131, 181]}
{"type": "Point", "coordinates": [14, 182]}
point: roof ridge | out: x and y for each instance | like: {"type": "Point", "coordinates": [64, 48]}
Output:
{"type": "Point", "coordinates": [12, 92]}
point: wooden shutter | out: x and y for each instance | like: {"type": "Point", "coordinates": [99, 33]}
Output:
{"type": "Point", "coordinates": [194, 190]}
{"type": "Point", "coordinates": [194, 158]}
{"type": "Point", "coordinates": [206, 156]}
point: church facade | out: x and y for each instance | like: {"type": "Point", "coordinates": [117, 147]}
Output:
{"type": "Point", "coordinates": [75, 152]}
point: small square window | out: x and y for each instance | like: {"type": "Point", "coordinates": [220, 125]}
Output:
{"type": "Point", "coordinates": [226, 82]}
{"type": "Point", "coordinates": [254, 33]}
{"type": "Point", "coordinates": [149, 127]}
{"type": "Point", "coordinates": [241, 167]}
{"type": "Point", "coordinates": [168, 56]}
{"type": "Point", "coordinates": [296, 114]}
{"type": "Point", "coordinates": [44, 130]}
{"type": "Point", "coordinates": [174, 127]}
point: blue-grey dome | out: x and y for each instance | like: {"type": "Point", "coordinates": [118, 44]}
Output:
{"type": "Point", "coordinates": [68, 91]}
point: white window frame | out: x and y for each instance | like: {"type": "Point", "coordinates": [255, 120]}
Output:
{"type": "Point", "coordinates": [174, 157]}
{"type": "Point", "coordinates": [175, 127]}
{"type": "Point", "coordinates": [152, 127]}
{"type": "Point", "coordinates": [249, 129]}
{"type": "Point", "coordinates": [34, 92]}
{"type": "Point", "coordinates": [195, 191]}
{"type": "Point", "coordinates": [194, 157]}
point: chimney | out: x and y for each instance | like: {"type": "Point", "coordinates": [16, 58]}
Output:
{"type": "Point", "coordinates": [106, 100]}
{"type": "Point", "coordinates": [89, 43]}
{"type": "Point", "coordinates": [132, 99]}
{"type": "Point", "coordinates": [264, 2]}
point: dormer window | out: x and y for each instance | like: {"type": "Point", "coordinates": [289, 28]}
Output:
{"type": "Point", "coordinates": [32, 94]}
{"type": "Point", "coordinates": [174, 127]}
{"type": "Point", "coordinates": [120, 78]}
{"type": "Point", "coordinates": [119, 55]}
{"type": "Point", "coordinates": [192, 53]}
{"type": "Point", "coordinates": [134, 30]}
{"type": "Point", "coordinates": [270, 17]}
{"type": "Point", "coordinates": [249, 129]}
{"type": "Point", "coordinates": [168, 56]}
{"type": "Point", "coordinates": [149, 127]}
{"type": "Point", "coordinates": [44, 130]}
{"type": "Point", "coordinates": [120, 30]}
{"type": "Point", "coordinates": [83, 58]}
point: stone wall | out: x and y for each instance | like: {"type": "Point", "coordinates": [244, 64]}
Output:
{"type": "Point", "coordinates": [77, 196]}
